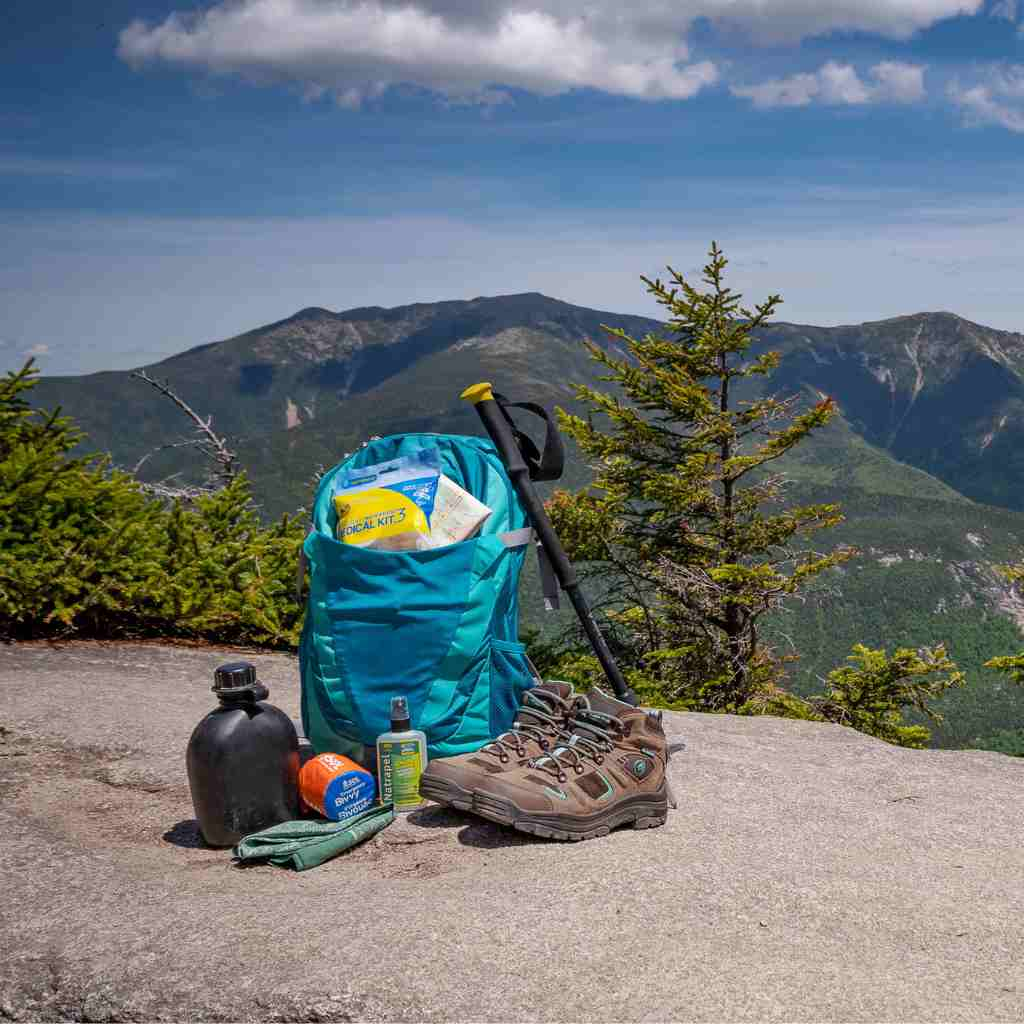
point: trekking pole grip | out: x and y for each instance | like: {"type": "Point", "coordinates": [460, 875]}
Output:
{"type": "Point", "coordinates": [498, 429]}
{"type": "Point", "coordinates": [500, 432]}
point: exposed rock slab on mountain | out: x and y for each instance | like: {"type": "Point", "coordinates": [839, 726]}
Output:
{"type": "Point", "coordinates": [809, 874]}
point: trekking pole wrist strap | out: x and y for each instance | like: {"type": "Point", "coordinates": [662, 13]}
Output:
{"type": "Point", "coordinates": [543, 465]}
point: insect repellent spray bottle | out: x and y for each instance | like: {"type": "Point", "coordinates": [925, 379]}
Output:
{"type": "Point", "coordinates": [401, 758]}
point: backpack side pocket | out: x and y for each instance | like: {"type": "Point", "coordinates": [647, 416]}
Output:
{"type": "Point", "coordinates": [511, 677]}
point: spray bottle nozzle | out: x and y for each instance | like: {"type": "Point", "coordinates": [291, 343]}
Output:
{"type": "Point", "coordinates": [399, 714]}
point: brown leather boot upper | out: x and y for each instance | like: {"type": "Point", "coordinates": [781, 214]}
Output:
{"type": "Point", "coordinates": [542, 716]}
{"type": "Point", "coordinates": [610, 770]}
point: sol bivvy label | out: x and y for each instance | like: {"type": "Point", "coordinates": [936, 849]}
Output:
{"type": "Point", "coordinates": [336, 786]}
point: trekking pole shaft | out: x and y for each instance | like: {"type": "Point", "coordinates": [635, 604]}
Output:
{"type": "Point", "coordinates": [501, 434]}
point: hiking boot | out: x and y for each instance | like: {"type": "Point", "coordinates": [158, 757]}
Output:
{"type": "Point", "coordinates": [609, 770]}
{"type": "Point", "coordinates": [543, 714]}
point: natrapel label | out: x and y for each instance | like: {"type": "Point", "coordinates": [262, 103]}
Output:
{"type": "Point", "coordinates": [400, 770]}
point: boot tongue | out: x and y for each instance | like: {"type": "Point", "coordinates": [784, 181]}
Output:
{"type": "Point", "coordinates": [544, 697]}
{"type": "Point", "coordinates": [555, 686]}
{"type": "Point", "coordinates": [602, 707]}
{"type": "Point", "coordinates": [599, 701]}
{"type": "Point", "coordinates": [593, 710]}
{"type": "Point", "coordinates": [591, 721]}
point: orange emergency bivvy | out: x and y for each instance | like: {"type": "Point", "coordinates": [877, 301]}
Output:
{"type": "Point", "coordinates": [336, 786]}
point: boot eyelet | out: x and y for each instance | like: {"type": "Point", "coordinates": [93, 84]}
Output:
{"type": "Point", "coordinates": [579, 769]}
{"type": "Point", "coordinates": [504, 758]}
{"type": "Point", "coordinates": [562, 777]}
{"type": "Point", "coordinates": [599, 759]}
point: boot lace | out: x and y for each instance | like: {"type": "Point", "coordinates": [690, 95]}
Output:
{"type": "Point", "coordinates": [590, 737]}
{"type": "Point", "coordinates": [542, 721]}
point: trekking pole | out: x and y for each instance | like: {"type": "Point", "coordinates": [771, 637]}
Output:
{"type": "Point", "coordinates": [500, 432]}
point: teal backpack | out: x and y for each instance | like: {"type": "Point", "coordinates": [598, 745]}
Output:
{"type": "Point", "coordinates": [439, 627]}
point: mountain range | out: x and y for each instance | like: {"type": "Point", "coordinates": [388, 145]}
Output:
{"type": "Point", "coordinates": [925, 457]}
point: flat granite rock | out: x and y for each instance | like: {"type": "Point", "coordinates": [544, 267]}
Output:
{"type": "Point", "coordinates": [810, 874]}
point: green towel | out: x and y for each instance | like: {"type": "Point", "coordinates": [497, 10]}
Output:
{"type": "Point", "coordinates": [306, 844]}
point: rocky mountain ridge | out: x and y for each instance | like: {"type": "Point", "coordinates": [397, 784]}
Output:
{"type": "Point", "coordinates": [934, 390]}
{"type": "Point", "coordinates": [338, 371]}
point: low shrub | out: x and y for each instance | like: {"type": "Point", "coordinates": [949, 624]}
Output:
{"type": "Point", "coordinates": [86, 551]}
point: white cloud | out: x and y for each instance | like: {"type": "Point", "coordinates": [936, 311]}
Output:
{"type": "Point", "coordinates": [462, 48]}
{"type": "Point", "coordinates": [792, 20]}
{"type": "Point", "coordinates": [355, 50]}
{"type": "Point", "coordinates": [840, 84]}
{"type": "Point", "coordinates": [1003, 9]}
{"type": "Point", "coordinates": [999, 99]}
{"type": "Point", "coordinates": [795, 91]}
{"type": "Point", "coordinates": [898, 83]}
{"type": "Point", "coordinates": [761, 20]}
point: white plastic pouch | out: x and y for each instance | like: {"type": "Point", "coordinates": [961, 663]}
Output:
{"type": "Point", "coordinates": [457, 514]}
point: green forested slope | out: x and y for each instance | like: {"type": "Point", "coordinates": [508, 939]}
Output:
{"type": "Point", "coordinates": [924, 576]}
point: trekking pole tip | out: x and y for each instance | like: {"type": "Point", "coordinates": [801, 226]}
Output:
{"type": "Point", "coordinates": [477, 393]}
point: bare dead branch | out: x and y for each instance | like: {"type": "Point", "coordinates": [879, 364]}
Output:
{"type": "Point", "coordinates": [208, 441]}
{"type": "Point", "coordinates": [168, 489]}
{"type": "Point", "coordinates": [159, 448]}
{"type": "Point", "coordinates": [185, 494]}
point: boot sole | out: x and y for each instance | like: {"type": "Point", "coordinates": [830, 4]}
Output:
{"type": "Point", "coordinates": [639, 811]}
{"type": "Point", "coordinates": [442, 791]}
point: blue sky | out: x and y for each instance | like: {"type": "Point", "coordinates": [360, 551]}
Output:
{"type": "Point", "coordinates": [174, 173]}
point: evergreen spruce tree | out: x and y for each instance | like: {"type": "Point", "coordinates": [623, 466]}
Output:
{"type": "Point", "coordinates": [873, 691]}
{"type": "Point", "coordinates": [685, 525]}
